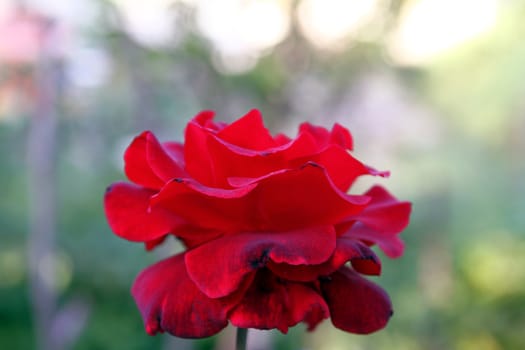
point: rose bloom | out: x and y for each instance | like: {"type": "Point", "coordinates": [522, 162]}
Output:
{"type": "Point", "coordinates": [272, 237]}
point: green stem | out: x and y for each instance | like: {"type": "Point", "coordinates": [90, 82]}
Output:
{"type": "Point", "coordinates": [242, 335]}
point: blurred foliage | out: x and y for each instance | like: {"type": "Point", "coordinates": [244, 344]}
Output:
{"type": "Point", "coordinates": [461, 283]}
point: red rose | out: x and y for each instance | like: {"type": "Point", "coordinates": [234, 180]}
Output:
{"type": "Point", "coordinates": [268, 226]}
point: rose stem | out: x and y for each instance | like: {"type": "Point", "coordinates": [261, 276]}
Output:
{"type": "Point", "coordinates": [242, 335]}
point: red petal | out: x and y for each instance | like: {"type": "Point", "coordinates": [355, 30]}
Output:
{"type": "Point", "coordinates": [381, 221]}
{"type": "Point", "coordinates": [388, 242]}
{"type": "Point", "coordinates": [130, 216]}
{"type": "Point", "coordinates": [150, 245]}
{"type": "Point", "coordinates": [219, 266]}
{"type": "Point", "coordinates": [248, 132]}
{"type": "Point", "coordinates": [230, 161]}
{"type": "Point", "coordinates": [136, 165]}
{"type": "Point", "coordinates": [192, 236]}
{"type": "Point", "coordinates": [338, 136]}
{"type": "Point", "coordinates": [169, 301]}
{"type": "Point", "coordinates": [356, 304]}
{"type": "Point", "coordinates": [283, 200]}
{"type": "Point", "coordinates": [199, 163]}
{"type": "Point", "coordinates": [341, 136]}
{"type": "Point", "coordinates": [362, 257]}
{"type": "Point", "coordinates": [281, 139]}
{"type": "Point", "coordinates": [161, 161]}
{"type": "Point", "coordinates": [342, 167]}
{"type": "Point", "coordinates": [205, 119]}
{"type": "Point", "coordinates": [211, 159]}
{"type": "Point", "coordinates": [272, 303]}
{"type": "Point", "coordinates": [147, 163]}
{"type": "Point", "coordinates": [207, 207]}
{"type": "Point", "coordinates": [176, 151]}
{"type": "Point", "coordinates": [385, 212]}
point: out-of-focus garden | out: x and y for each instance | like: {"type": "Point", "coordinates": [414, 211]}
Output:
{"type": "Point", "coordinates": [433, 90]}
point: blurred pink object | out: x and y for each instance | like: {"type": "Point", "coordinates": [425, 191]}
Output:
{"type": "Point", "coordinates": [22, 35]}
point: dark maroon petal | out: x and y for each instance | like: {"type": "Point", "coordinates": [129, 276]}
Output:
{"type": "Point", "coordinates": [248, 132]}
{"type": "Point", "coordinates": [284, 200]}
{"type": "Point", "coordinates": [356, 304]}
{"type": "Point", "coordinates": [273, 303]}
{"type": "Point", "coordinates": [363, 259]}
{"type": "Point", "coordinates": [169, 301]}
{"type": "Point", "coordinates": [129, 214]}
{"type": "Point", "coordinates": [219, 266]}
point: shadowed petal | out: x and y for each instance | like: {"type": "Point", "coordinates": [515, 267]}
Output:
{"type": "Point", "coordinates": [363, 259]}
{"type": "Point", "coordinates": [169, 301]}
{"type": "Point", "coordinates": [219, 266]}
{"type": "Point", "coordinates": [356, 304]}
{"type": "Point", "coordinates": [273, 303]}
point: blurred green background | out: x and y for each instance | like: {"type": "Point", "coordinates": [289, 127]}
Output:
{"type": "Point", "coordinates": [432, 90]}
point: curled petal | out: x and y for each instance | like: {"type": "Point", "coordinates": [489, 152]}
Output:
{"type": "Point", "coordinates": [149, 164]}
{"type": "Point", "coordinates": [176, 152]}
{"type": "Point", "coordinates": [219, 159]}
{"type": "Point", "coordinates": [341, 136]}
{"type": "Point", "coordinates": [273, 303]}
{"type": "Point", "coordinates": [388, 242]}
{"type": "Point", "coordinates": [219, 266]}
{"type": "Point", "coordinates": [284, 200]}
{"type": "Point", "coordinates": [363, 259]}
{"type": "Point", "coordinates": [205, 120]}
{"type": "Point", "coordinates": [338, 136]}
{"type": "Point", "coordinates": [199, 163]}
{"type": "Point", "coordinates": [136, 165]}
{"type": "Point", "coordinates": [248, 132]}
{"type": "Point", "coordinates": [130, 216]}
{"type": "Point", "coordinates": [207, 207]}
{"type": "Point", "coordinates": [356, 304]}
{"type": "Point", "coordinates": [342, 167]}
{"type": "Point", "coordinates": [385, 212]}
{"type": "Point", "coordinates": [381, 221]}
{"type": "Point", "coordinates": [169, 301]}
